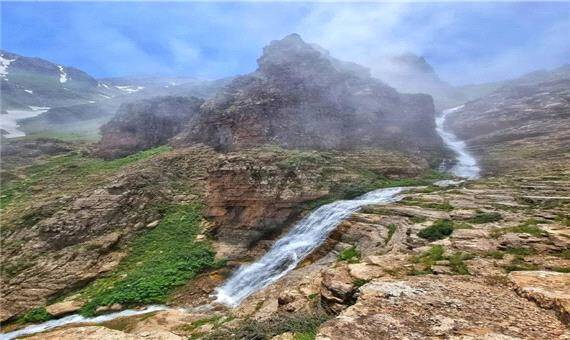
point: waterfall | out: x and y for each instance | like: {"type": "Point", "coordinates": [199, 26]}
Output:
{"type": "Point", "coordinates": [77, 319]}
{"type": "Point", "coordinates": [466, 164]}
{"type": "Point", "coordinates": [292, 248]}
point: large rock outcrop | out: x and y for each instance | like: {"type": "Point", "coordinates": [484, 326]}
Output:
{"type": "Point", "coordinates": [520, 125]}
{"type": "Point", "coordinates": [299, 97]}
{"type": "Point", "coordinates": [144, 124]}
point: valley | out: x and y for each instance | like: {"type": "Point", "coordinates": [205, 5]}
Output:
{"type": "Point", "coordinates": [307, 199]}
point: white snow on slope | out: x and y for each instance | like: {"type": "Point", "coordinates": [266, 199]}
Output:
{"type": "Point", "coordinates": [130, 89]}
{"type": "Point", "coordinates": [4, 63]}
{"type": "Point", "coordinates": [29, 91]}
{"type": "Point", "coordinates": [9, 122]}
{"type": "Point", "coordinates": [62, 75]}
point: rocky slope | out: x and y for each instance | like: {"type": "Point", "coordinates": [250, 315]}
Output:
{"type": "Point", "coordinates": [86, 212]}
{"type": "Point", "coordinates": [144, 124]}
{"type": "Point", "coordinates": [501, 271]}
{"type": "Point", "coordinates": [299, 98]}
{"type": "Point", "coordinates": [521, 125]}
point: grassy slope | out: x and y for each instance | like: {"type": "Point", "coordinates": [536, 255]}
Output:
{"type": "Point", "coordinates": [158, 261]}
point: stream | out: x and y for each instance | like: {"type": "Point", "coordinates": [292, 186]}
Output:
{"type": "Point", "coordinates": [291, 249]}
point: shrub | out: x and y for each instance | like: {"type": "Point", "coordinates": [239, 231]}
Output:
{"type": "Point", "coordinates": [304, 326]}
{"type": "Point", "coordinates": [529, 227]}
{"type": "Point", "coordinates": [520, 251]}
{"type": "Point", "coordinates": [349, 254]}
{"type": "Point", "coordinates": [485, 217]}
{"type": "Point", "coordinates": [440, 229]}
{"type": "Point", "coordinates": [35, 315]}
{"type": "Point", "coordinates": [457, 264]}
{"type": "Point", "coordinates": [391, 230]}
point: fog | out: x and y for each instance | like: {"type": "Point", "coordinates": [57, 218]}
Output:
{"type": "Point", "coordinates": [464, 42]}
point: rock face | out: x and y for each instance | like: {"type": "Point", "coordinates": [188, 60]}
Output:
{"type": "Point", "coordinates": [252, 195]}
{"type": "Point", "coordinates": [68, 236]}
{"type": "Point", "coordinates": [520, 124]}
{"type": "Point", "coordinates": [418, 308]}
{"type": "Point", "coordinates": [548, 289]}
{"type": "Point", "coordinates": [144, 124]}
{"type": "Point", "coordinates": [299, 98]}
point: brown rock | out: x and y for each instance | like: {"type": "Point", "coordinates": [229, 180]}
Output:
{"type": "Point", "coordinates": [64, 307]}
{"type": "Point", "coordinates": [548, 289]}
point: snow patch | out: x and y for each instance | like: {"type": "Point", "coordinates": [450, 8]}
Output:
{"type": "Point", "coordinates": [29, 91]}
{"type": "Point", "coordinates": [103, 85]}
{"type": "Point", "coordinates": [62, 75]}
{"type": "Point", "coordinates": [130, 89]}
{"type": "Point", "coordinates": [9, 122]}
{"type": "Point", "coordinates": [4, 63]}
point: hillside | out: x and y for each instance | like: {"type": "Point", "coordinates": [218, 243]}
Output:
{"type": "Point", "coordinates": [521, 125]}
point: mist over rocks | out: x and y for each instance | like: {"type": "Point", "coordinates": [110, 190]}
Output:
{"type": "Point", "coordinates": [301, 98]}
{"type": "Point", "coordinates": [144, 124]}
{"type": "Point", "coordinates": [521, 124]}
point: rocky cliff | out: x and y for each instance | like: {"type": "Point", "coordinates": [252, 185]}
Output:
{"type": "Point", "coordinates": [521, 125]}
{"type": "Point", "coordinates": [144, 124]}
{"type": "Point", "coordinates": [299, 98]}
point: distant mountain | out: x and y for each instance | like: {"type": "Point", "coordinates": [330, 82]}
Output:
{"type": "Point", "coordinates": [37, 82]}
{"type": "Point", "coordinates": [300, 97]}
{"type": "Point", "coordinates": [410, 73]}
{"type": "Point", "coordinates": [39, 96]}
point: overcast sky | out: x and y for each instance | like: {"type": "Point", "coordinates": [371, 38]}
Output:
{"type": "Point", "coordinates": [464, 42]}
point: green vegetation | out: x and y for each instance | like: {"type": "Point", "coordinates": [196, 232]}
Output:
{"type": "Point", "coordinates": [563, 219]}
{"type": "Point", "coordinates": [418, 219]}
{"type": "Point", "coordinates": [304, 326]}
{"type": "Point", "coordinates": [158, 261]}
{"type": "Point", "coordinates": [368, 181]}
{"type": "Point", "coordinates": [529, 227]}
{"type": "Point", "coordinates": [520, 251]}
{"type": "Point", "coordinates": [565, 254]}
{"type": "Point", "coordinates": [436, 253]}
{"type": "Point", "coordinates": [391, 230]}
{"type": "Point", "coordinates": [351, 255]}
{"type": "Point", "coordinates": [440, 229]}
{"type": "Point", "coordinates": [73, 169]}
{"type": "Point", "coordinates": [359, 282]}
{"type": "Point", "coordinates": [35, 315]}
{"type": "Point", "coordinates": [495, 254]}
{"type": "Point", "coordinates": [445, 206]}
{"type": "Point", "coordinates": [428, 259]}
{"type": "Point", "coordinates": [485, 217]}
{"type": "Point", "coordinates": [456, 263]}
{"type": "Point", "coordinates": [519, 264]}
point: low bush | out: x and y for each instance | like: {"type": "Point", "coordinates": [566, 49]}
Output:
{"type": "Point", "coordinates": [349, 254]}
{"type": "Point", "coordinates": [440, 229]}
{"type": "Point", "coordinates": [529, 227]}
{"type": "Point", "coordinates": [35, 315]}
{"type": "Point", "coordinates": [481, 217]}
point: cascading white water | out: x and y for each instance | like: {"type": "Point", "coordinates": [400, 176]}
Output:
{"type": "Point", "coordinates": [288, 251]}
{"type": "Point", "coordinates": [77, 319]}
{"type": "Point", "coordinates": [466, 164]}
{"type": "Point", "coordinates": [292, 248]}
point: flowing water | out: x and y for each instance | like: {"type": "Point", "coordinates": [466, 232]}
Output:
{"type": "Point", "coordinates": [77, 319]}
{"type": "Point", "coordinates": [466, 165]}
{"type": "Point", "coordinates": [292, 248]}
